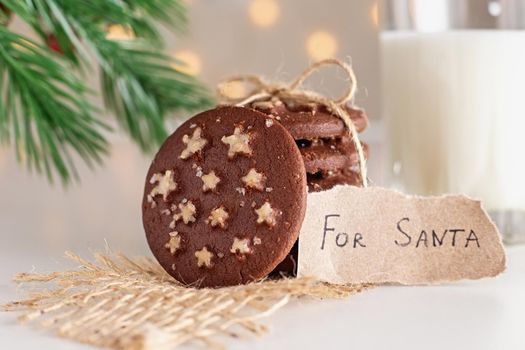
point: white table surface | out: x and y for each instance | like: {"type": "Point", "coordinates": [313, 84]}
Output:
{"type": "Point", "coordinates": [485, 314]}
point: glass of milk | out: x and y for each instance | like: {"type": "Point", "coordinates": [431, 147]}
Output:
{"type": "Point", "coordinates": [454, 102]}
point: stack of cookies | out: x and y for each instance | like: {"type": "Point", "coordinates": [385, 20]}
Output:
{"type": "Point", "coordinates": [329, 155]}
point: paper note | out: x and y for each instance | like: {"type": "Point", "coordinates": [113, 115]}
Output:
{"type": "Point", "coordinates": [353, 235]}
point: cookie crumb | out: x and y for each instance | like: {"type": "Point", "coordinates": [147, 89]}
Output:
{"type": "Point", "coordinates": [193, 126]}
{"type": "Point", "coordinates": [198, 173]}
{"type": "Point", "coordinates": [220, 255]}
{"type": "Point", "coordinates": [355, 168]}
{"type": "Point", "coordinates": [241, 190]}
{"type": "Point", "coordinates": [269, 123]}
{"type": "Point", "coordinates": [268, 189]}
{"type": "Point", "coordinates": [166, 212]}
{"type": "Point", "coordinates": [241, 204]}
{"type": "Point", "coordinates": [256, 240]}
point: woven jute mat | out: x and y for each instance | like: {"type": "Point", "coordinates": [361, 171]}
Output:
{"type": "Point", "coordinates": [122, 303]}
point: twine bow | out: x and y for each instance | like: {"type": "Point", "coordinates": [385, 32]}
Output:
{"type": "Point", "coordinates": [269, 91]}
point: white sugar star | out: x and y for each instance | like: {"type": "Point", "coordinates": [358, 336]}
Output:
{"type": "Point", "coordinates": [218, 217]}
{"type": "Point", "coordinates": [210, 181]}
{"type": "Point", "coordinates": [194, 144]}
{"type": "Point", "coordinates": [254, 179]}
{"type": "Point", "coordinates": [174, 243]}
{"type": "Point", "coordinates": [238, 142]}
{"type": "Point", "coordinates": [266, 214]}
{"type": "Point", "coordinates": [165, 185]}
{"type": "Point", "coordinates": [203, 257]}
{"type": "Point", "coordinates": [186, 212]}
{"type": "Point", "coordinates": [240, 246]}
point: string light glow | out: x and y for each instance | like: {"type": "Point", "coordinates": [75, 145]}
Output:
{"type": "Point", "coordinates": [235, 89]}
{"type": "Point", "coordinates": [264, 13]}
{"type": "Point", "coordinates": [191, 62]}
{"type": "Point", "coordinates": [321, 45]}
{"type": "Point", "coordinates": [118, 32]}
{"type": "Point", "coordinates": [374, 14]}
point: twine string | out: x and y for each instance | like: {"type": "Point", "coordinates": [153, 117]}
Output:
{"type": "Point", "coordinates": [122, 303]}
{"type": "Point", "coordinates": [266, 91]}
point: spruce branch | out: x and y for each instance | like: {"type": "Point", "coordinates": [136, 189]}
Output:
{"type": "Point", "coordinates": [43, 109]}
{"type": "Point", "coordinates": [138, 83]}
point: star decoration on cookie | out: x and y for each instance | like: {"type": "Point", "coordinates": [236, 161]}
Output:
{"type": "Point", "coordinates": [174, 243]}
{"type": "Point", "coordinates": [254, 179]}
{"type": "Point", "coordinates": [218, 217]}
{"type": "Point", "coordinates": [238, 142]}
{"type": "Point", "coordinates": [194, 144]}
{"type": "Point", "coordinates": [186, 212]}
{"type": "Point", "coordinates": [266, 214]}
{"type": "Point", "coordinates": [203, 257]}
{"type": "Point", "coordinates": [240, 246]}
{"type": "Point", "coordinates": [210, 181]}
{"type": "Point", "coordinates": [165, 185]}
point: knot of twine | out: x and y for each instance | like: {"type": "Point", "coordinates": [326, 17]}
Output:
{"type": "Point", "coordinates": [266, 91]}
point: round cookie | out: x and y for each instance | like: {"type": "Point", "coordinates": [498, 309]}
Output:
{"type": "Point", "coordinates": [225, 198]}
{"type": "Point", "coordinates": [330, 155]}
{"type": "Point", "coordinates": [312, 122]}
{"type": "Point", "coordinates": [323, 181]}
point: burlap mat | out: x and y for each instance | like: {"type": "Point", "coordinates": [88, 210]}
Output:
{"type": "Point", "coordinates": [120, 303]}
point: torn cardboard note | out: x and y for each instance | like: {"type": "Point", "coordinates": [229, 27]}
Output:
{"type": "Point", "coordinates": [353, 235]}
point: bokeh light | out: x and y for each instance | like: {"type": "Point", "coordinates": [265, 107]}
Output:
{"type": "Point", "coordinates": [264, 13]}
{"type": "Point", "coordinates": [118, 32]}
{"type": "Point", "coordinates": [374, 15]}
{"type": "Point", "coordinates": [190, 62]}
{"type": "Point", "coordinates": [235, 89]}
{"type": "Point", "coordinates": [321, 44]}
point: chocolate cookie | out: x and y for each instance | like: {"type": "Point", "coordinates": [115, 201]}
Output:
{"type": "Point", "coordinates": [330, 154]}
{"type": "Point", "coordinates": [225, 198]}
{"type": "Point", "coordinates": [287, 267]}
{"type": "Point", "coordinates": [323, 181]}
{"type": "Point", "coordinates": [312, 121]}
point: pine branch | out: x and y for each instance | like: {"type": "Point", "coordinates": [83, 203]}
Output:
{"type": "Point", "coordinates": [137, 81]}
{"type": "Point", "coordinates": [38, 100]}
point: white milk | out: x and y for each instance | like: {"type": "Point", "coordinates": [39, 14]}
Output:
{"type": "Point", "coordinates": [455, 109]}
